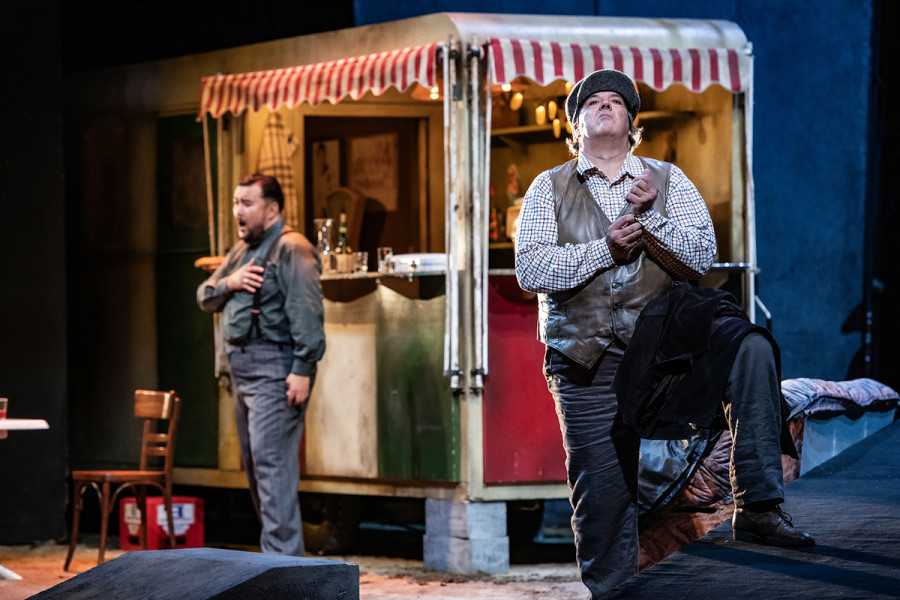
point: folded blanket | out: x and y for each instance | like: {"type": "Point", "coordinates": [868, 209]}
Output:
{"type": "Point", "coordinates": [824, 399]}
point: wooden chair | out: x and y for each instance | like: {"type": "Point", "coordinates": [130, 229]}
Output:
{"type": "Point", "coordinates": [154, 408]}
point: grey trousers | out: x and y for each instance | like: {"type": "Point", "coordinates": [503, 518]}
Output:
{"type": "Point", "coordinates": [602, 455]}
{"type": "Point", "coordinates": [269, 433]}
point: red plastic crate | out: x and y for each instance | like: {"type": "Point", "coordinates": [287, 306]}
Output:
{"type": "Point", "coordinates": [187, 514]}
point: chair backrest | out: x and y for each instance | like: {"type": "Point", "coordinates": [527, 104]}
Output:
{"type": "Point", "coordinates": [156, 408]}
{"type": "Point", "coordinates": [350, 202]}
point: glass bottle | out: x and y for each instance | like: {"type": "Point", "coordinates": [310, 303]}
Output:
{"type": "Point", "coordinates": [494, 231]}
{"type": "Point", "coordinates": [324, 237]}
{"type": "Point", "coordinates": [342, 246]}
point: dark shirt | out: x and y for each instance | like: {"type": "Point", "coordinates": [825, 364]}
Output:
{"type": "Point", "coordinates": [291, 310]}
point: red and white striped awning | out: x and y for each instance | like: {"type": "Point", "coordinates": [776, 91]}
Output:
{"type": "Point", "coordinates": [540, 61]}
{"type": "Point", "coordinates": [695, 68]}
{"type": "Point", "coordinates": [332, 81]}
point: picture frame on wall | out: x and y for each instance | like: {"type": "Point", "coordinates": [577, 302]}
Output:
{"type": "Point", "coordinates": [373, 168]}
{"type": "Point", "coordinates": [326, 172]}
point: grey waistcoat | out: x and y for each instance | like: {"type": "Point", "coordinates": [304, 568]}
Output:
{"type": "Point", "coordinates": [583, 321]}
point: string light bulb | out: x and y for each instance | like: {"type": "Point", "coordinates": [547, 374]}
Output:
{"type": "Point", "coordinates": [540, 115]}
{"type": "Point", "coordinates": [551, 110]}
{"type": "Point", "coordinates": [515, 103]}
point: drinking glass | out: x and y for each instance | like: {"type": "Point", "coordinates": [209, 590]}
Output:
{"type": "Point", "coordinates": [362, 262]}
{"type": "Point", "coordinates": [385, 259]}
{"type": "Point", "coordinates": [3, 404]}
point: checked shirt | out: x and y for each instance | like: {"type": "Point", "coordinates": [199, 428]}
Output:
{"type": "Point", "coordinates": [684, 243]}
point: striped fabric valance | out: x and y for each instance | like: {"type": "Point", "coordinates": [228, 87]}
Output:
{"type": "Point", "coordinates": [331, 81]}
{"type": "Point", "coordinates": [540, 61]}
{"type": "Point", "coordinates": [695, 68]}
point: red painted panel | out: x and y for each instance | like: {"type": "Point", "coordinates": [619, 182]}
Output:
{"type": "Point", "coordinates": [522, 441]}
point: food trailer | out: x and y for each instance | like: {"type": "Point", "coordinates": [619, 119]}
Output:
{"type": "Point", "coordinates": [426, 133]}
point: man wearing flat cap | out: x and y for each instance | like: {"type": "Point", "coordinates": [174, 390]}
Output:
{"type": "Point", "coordinates": [610, 242]}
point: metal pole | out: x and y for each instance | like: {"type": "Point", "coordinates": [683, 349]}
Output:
{"type": "Point", "coordinates": [210, 214]}
{"type": "Point", "coordinates": [478, 144]}
{"type": "Point", "coordinates": [451, 320]}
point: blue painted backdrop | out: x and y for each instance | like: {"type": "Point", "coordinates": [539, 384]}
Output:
{"type": "Point", "coordinates": [810, 154]}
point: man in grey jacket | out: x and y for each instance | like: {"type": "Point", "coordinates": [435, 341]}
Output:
{"type": "Point", "coordinates": [269, 292]}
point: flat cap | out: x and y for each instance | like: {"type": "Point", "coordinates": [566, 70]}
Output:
{"type": "Point", "coordinates": [604, 80]}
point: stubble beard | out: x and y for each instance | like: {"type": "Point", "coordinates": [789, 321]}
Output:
{"type": "Point", "coordinates": [253, 234]}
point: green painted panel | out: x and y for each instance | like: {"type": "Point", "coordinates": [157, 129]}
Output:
{"type": "Point", "coordinates": [185, 333]}
{"type": "Point", "coordinates": [418, 415]}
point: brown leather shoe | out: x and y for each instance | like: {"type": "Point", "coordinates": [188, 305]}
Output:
{"type": "Point", "coordinates": [772, 527]}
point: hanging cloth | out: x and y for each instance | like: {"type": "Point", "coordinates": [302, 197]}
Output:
{"type": "Point", "coordinates": [278, 145]}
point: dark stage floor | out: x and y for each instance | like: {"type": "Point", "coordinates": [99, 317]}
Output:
{"type": "Point", "coordinates": [850, 504]}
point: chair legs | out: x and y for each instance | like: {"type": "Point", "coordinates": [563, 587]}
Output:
{"type": "Point", "coordinates": [107, 504]}
{"type": "Point", "coordinates": [141, 498]}
{"type": "Point", "coordinates": [168, 501]}
{"type": "Point", "coordinates": [105, 509]}
{"type": "Point", "coordinates": [77, 503]}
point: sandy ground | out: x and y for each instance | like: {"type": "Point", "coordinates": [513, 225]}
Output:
{"type": "Point", "coordinates": [41, 567]}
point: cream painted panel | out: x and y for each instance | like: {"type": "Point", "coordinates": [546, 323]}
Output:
{"type": "Point", "coordinates": [341, 424]}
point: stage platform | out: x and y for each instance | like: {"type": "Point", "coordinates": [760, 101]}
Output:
{"type": "Point", "coordinates": [850, 504]}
